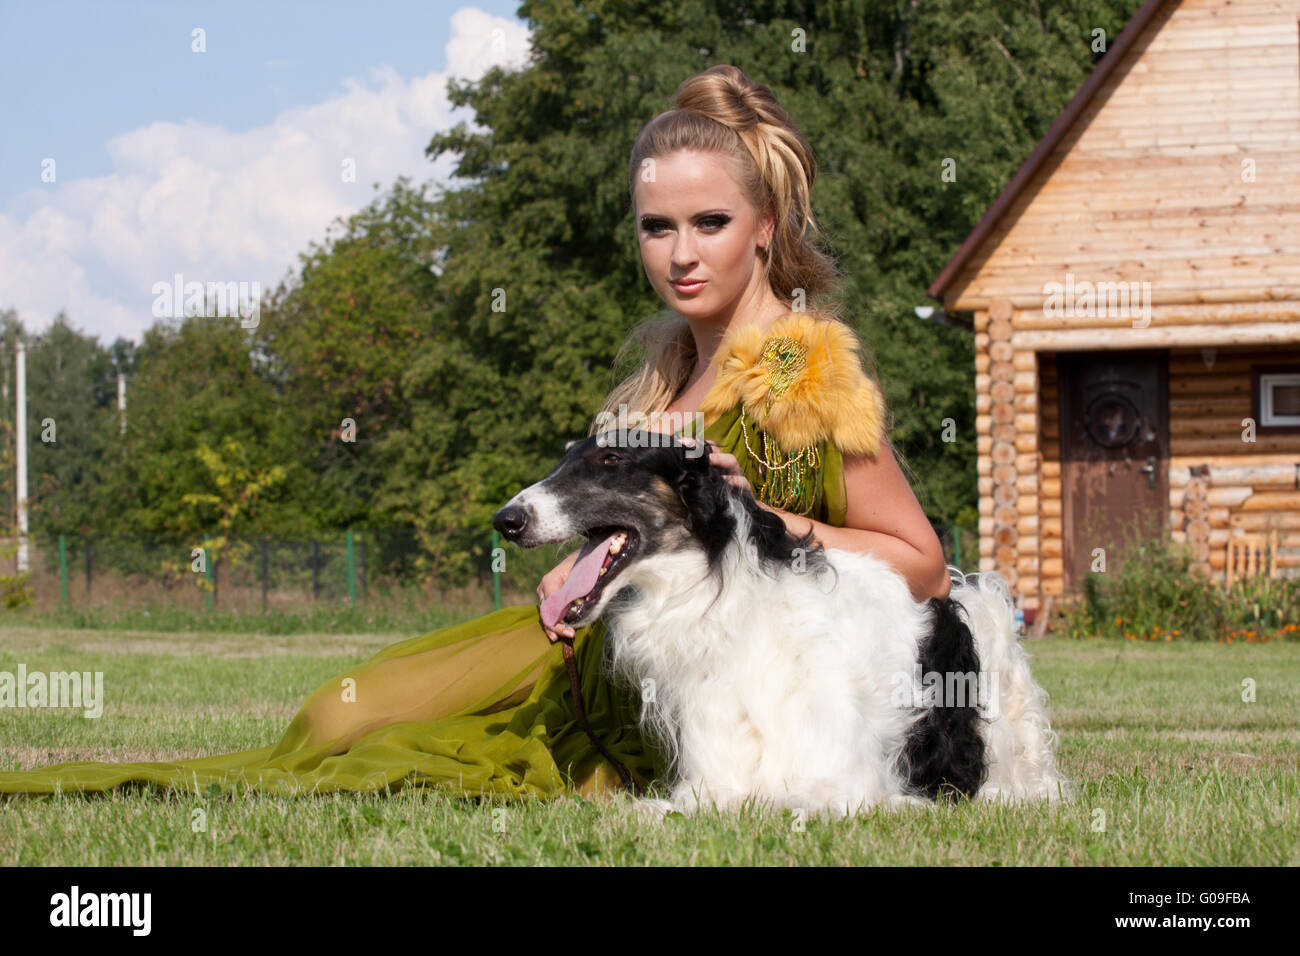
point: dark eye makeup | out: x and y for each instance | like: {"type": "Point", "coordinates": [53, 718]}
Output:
{"type": "Point", "coordinates": [712, 222]}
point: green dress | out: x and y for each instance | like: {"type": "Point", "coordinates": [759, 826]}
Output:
{"type": "Point", "coordinates": [479, 708]}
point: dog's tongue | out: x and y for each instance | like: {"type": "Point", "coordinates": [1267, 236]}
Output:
{"type": "Point", "coordinates": [582, 578]}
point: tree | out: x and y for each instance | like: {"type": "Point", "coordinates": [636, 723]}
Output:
{"type": "Point", "coordinates": [71, 414]}
{"type": "Point", "coordinates": [195, 386]}
{"type": "Point", "coordinates": [336, 340]}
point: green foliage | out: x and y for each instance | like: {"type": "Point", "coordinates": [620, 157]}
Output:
{"type": "Point", "coordinates": [1265, 605]}
{"type": "Point", "coordinates": [335, 341]}
{"type": "Point", "coordinates": [72, 421]}
{"type": "Point", "coordinates": [16, 588]}
{"type": "Point", "coordinates": [196, 386]}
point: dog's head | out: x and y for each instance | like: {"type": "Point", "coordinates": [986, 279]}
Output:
{"type": "Point", "coordinates": [632, 499]}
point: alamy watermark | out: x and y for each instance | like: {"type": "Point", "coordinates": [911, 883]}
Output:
{"type": "Point", "coordinates": [1084, 299]}
{"type": "Point", "coordinates": [947, 689]}
{"type": "Point", "coordinates": [654, 430]}
{"type": "Point", "coordinates": [178, 298]}
{"type": "Point", "coordinates": [81, 689]}
{"type": "Point", "coordinates": [130, 910]}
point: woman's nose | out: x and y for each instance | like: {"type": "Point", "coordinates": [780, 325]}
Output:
{"type": "Point", "coordinates": [684, 252]}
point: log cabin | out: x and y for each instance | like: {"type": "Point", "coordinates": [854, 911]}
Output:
{"type": "Point", "coordinates": [1135, 297]}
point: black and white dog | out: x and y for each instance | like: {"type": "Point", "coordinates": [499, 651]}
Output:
{"type": "Point", "coordinates": [774, 670]}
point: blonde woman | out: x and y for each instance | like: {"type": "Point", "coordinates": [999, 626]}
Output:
{"type": "Point", "coordinates": [720, 187]}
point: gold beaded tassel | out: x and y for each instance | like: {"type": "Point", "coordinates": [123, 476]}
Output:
{"type": "Point", "coordinates": [787, 480]}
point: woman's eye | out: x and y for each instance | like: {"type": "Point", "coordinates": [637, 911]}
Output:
{"type": "Point", "coordinates": [708, 224]}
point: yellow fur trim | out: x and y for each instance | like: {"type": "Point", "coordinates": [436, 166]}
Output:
{"type": "Point", "coordinates": [809, 386]}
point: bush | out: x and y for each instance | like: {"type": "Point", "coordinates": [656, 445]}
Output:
{"type": "Point", "coordinates": [1154, 594]}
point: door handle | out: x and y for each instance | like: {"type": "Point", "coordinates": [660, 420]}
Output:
{"type": "Point", "coordinates": [1149, 469]}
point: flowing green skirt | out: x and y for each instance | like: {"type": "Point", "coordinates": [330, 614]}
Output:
{"type": "Point", "coordinates": [480, 708]}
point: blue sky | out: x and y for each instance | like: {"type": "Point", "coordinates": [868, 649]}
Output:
{"type": "Point", "coordinates": [150, 138]}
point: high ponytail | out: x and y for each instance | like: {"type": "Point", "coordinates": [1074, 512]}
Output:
{"type": "Point", "coordinates": [723, 111]}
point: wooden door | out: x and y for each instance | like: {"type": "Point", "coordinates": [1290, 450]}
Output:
{"type": "Point", "coordinates": [1114, 454]}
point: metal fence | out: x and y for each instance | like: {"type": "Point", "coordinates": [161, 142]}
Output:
{"type": "Point", "coordinates": [268, 571]}
{"type": "Point", "coordinates": [263, 572]}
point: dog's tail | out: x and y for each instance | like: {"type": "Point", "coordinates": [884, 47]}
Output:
{"type": "Point", "coordinates": [1019, 743]}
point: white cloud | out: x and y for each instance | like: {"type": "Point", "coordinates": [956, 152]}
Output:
{"type": "Point", "coordinates": [220, 206]}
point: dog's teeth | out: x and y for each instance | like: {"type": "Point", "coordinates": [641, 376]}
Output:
{"type": "Point", "coordinates": [616, 543]}
{"type": "Point", "coordinates": [602, 572]}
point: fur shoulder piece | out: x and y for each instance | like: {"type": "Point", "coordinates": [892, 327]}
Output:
{"type": "Point", "coordinates": [800, 381]}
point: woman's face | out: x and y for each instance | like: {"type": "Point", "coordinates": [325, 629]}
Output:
{"type": "Point", "coordinates": [694, 223]}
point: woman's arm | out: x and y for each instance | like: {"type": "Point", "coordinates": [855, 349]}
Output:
{"type": "Point", "coordinates": [883, 518]}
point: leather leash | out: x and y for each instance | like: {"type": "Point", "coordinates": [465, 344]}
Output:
{"type": "Point", "coordinates": [572, 666]}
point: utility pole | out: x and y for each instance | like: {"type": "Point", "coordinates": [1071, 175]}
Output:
{"type": "Point", "coordinates": [20, 430]}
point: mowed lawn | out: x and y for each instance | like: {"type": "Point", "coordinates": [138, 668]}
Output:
{"type": "Point", "coordinates": [1172, 766]}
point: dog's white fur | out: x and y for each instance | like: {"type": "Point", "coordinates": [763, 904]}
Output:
{"type": "Point", "coordinates": [786, 690]}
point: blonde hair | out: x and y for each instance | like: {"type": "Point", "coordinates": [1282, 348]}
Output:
{"type": "Point", "coordinates": [723, 111]}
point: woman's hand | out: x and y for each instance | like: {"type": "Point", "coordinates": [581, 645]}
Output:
{"type": "Point", "coordinates": [728, 463]}
{"type": "Point", "coordinates": [551, 582]}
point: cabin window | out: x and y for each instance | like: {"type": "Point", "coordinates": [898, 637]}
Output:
{"type": "Point", "coordinates": [1276, 397]}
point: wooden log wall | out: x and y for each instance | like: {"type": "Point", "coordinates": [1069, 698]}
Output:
{"type": "Point", "coordinates": [1053, 534]}
{"type": "Point", "coordinates": [1006, 421]}
{"type": "Point", "coordinates": [1219, 483]}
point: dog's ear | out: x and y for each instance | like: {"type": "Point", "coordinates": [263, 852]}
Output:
{"type": "Point", "coordinates": [704, 490]}
{"type": "Point", "coordinates": [699, 484]}
{"type": "Point", "coordinates": [570, 444]}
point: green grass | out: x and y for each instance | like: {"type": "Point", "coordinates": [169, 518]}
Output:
{"type": "Point", "coordinates": [1156, 736]}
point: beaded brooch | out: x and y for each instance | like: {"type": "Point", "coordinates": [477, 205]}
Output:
{"type": "Point", "coordinates": [800, 381]}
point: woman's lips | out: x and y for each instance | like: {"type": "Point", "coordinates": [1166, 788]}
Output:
{"type": "Point", "coordinates": [688, 287]}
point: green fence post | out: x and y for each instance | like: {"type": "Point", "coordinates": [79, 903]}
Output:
{"type": "Point", "coordinates": [315, 569]}
{"type": "Point", "coordinates": [263, 574]}
{"type": "Point", "coordinates": [496, 575]}
{"type": "Point", "coordinates": [207, 575]}
{"type": "Point", "coordinates": [352, 571]}
{"type": "Point", "coordinates": [63, 570]}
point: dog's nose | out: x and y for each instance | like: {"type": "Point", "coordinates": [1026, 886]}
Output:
{"type": "Point", "coordinates": [510, 521]}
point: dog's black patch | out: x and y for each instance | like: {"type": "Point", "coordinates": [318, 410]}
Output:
{"type": "Point", "coordinates": [944, 754]}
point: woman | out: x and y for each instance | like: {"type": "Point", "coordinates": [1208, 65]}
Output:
{"type": "Point", "coordinates": [720, 187]}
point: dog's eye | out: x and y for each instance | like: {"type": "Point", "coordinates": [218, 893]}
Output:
{"type": "Point", "coordinates": [611, 458]}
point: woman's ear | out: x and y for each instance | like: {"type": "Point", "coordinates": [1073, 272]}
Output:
{"type": "Point", "coordinates": [767, 225]}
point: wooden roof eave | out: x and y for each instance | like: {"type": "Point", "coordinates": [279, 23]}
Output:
{"type": "Point", "coordinates": [1055, 133]}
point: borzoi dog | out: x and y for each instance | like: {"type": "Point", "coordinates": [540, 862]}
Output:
{"type": "Point", "coordinates": [772, 669]}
